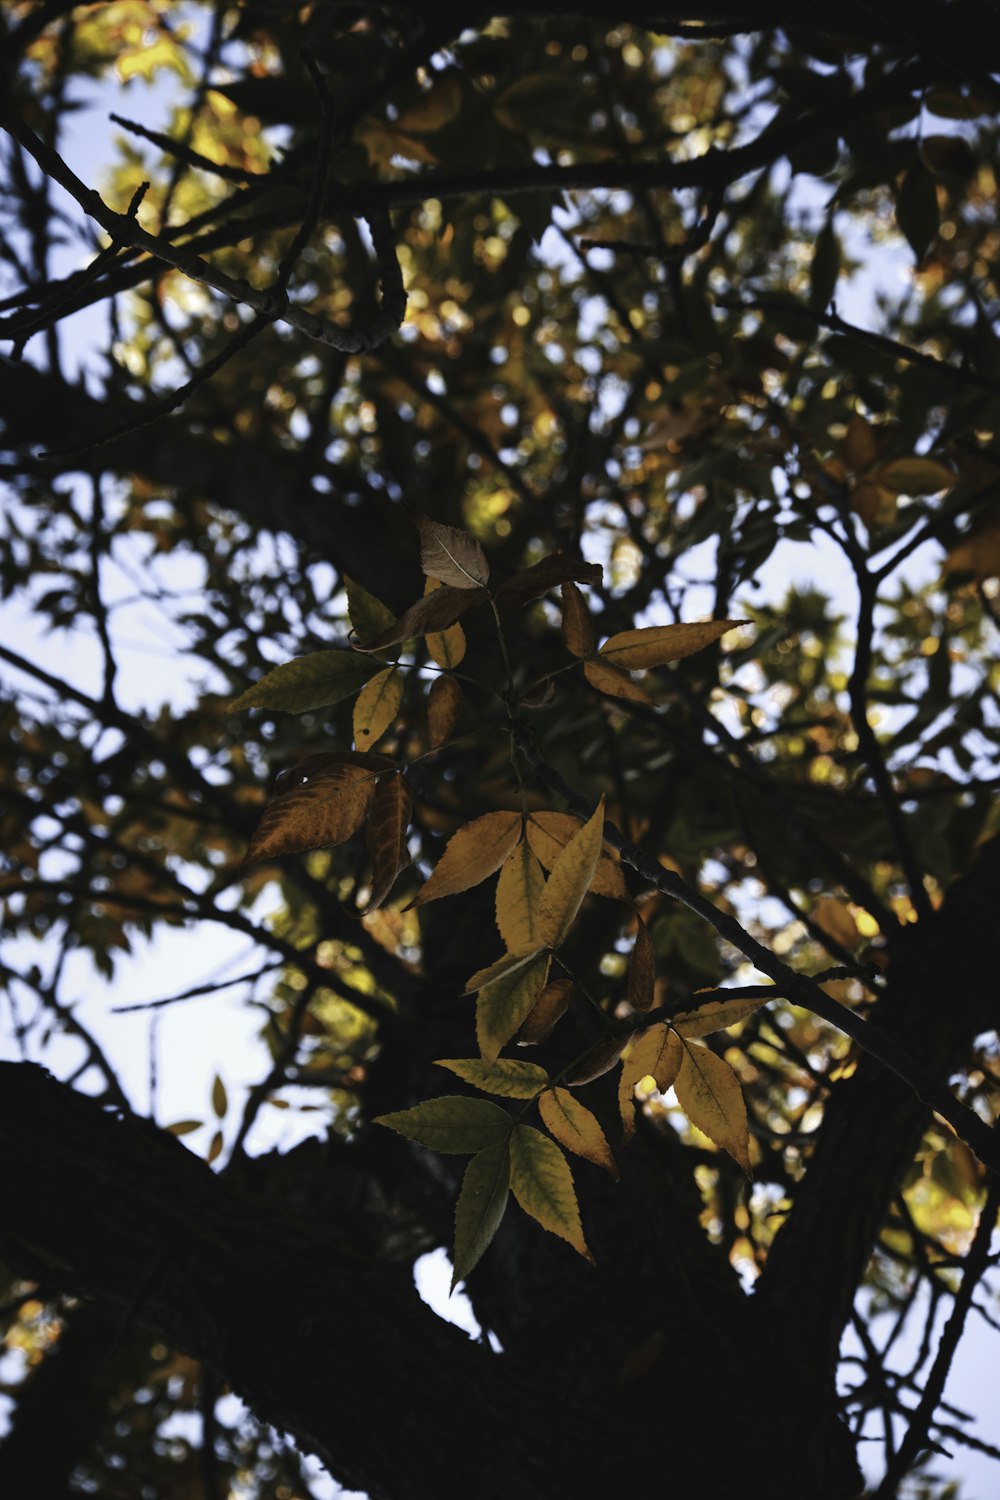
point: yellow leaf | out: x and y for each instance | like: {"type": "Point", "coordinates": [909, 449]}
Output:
{"type": "Point", "coordinates": [655, 1054]}
{"type": "Point", "coordinates": [444, 705]}
{"type": "Point", "coordinates": [377, 707]}
{"type": "Point", "coordinates": [505, 1003]}
{"type": "Point", "coordinates": [471, 855]}
{"type": "Point", "coordinates": [569, 880]}
{"type": "Point", "coordinates": [546, 1011]}
{"type": "Point", "coordinates": [709, 1093]}
{"type": "Point", "coordinates": [387, 825]}
{"type": "Point", "coordinates": [656, 645]}
{"type": "Point", "coordinates": [368, 615]}
{"type": "Point", "coordinates": [519, 890]}
{"type": "Point", "coordinates": [836, 919]}
{"type": "Point", "coordinates": [480, 1207]}
{"type": "Point", "coordinates": [324, 810]}
{"type": "Point", "coordinates": [446, 647]}
{"type": "Point", "coordinates": [505, 964]}
{"type": "Point", "coordinates": [509, 1079]}
{"type": "Point", "coordinates": [613, 681]}
{"type": "Point", "coordinates": [542, 1183]}
{"type": "Point", "coordinates": [641, 969]}
{"type": "Point", "coordinates": [577, 626]}
{"type": "Point", "coordinates": [548, 834]}
{"type": "Point", "coordinates": [576, 1128]}
{"type": "Point", "coordinates": [715, 1016]}
{"type": "Point", "coordinates": [452, 555]}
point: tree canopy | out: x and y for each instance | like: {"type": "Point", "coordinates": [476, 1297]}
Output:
{"type": "Point", "coordinates": [553, 459]}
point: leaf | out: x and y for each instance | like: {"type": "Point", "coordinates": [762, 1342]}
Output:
{"type": "Point", "coordinates": [915, 476]}
{"type": "Point", "coordinates": [597, 1060]}
{"type": "Point", "coordinates": [519, 891]}
{"type": "Point", "coordinates": [451, 1124]}
{"type": "Point", "coordinates": [183, 1127]}
{"type": "Point", "coordinates": [542, 1183]}
{"type": "Point", "coordinates": [825, 268]}
{"type": "Point", "coordinates": [369, 617]}
{"type": "Point", "coordinates": [387, 825]}
{"type": "Point", "coordinates": [219, 1101]}
{"type": "Point", "coordinates": [578, 631]}
{"type": "Point", "coordinates": [506, 1002]}
{"type": "Point", "coordinates": [434, 612]}
{"type": "Point", "coordinates": [510, 1079]}
{"type": "Point", "coordinates": [471, 855]}
{"type": "Point", "coordinates": [314, 814]}
{"type": "Point", "coordinates": [377, 706]}
{"type": "Point", "coordinates": [917, 208]}
{"type": "Point", "coordinates": [505, 964]}
{"type": "Point", "coordinates": [717, 1015]}
{"type": "Point", "coordinates": [656, 645]}
{"type": "Point", "coordinates": [451, 555]}
{"type": "Point", "coordinates": [329, 760]}
{"type": "Point", "coordinates": [446, 647]}
{"type": "Point", "coordinates": [641, 969]}
{"type": "Point", "coordinates": [548, 574]}
{"type": "Point", "coordinates": [860, 445]}
{"type": "Point", "coordinates": [874, 503]}
{"type": "Point", "coordinates": [656, 1054]}
{"type": "Point", "coordinates": [547, 1010]}
{"type": "Point", "coordinates": [548, 833]}
{"type": "Point", "coordinates": [709, 1093]}
{"type": "Point", "coordinates": [569, 880]}
{"type": "Point", "coordinates": [444, 705]}
{"type": "Point", "coordinates": [836, 919]}
{"type": "Point", "coordinates": [313, 681]}
{"type": "Point", "coordinates": [576, 1128]}
{"type": "Point", "coordinates": [215, 1148]}
{"type": "Point", "coordinates": [434, 107]}
{"type": "Point", "coordinates": [480, 1207]}
{"type": "Point", "coordinates": [979, 554]}
{"type": "Point", "coordinates": [614, 682]}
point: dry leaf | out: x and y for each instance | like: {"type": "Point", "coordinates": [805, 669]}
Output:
{"type": "Point", "coordinates": [387, 825]}
{"type": "Point", "coordinates": [451, 555]}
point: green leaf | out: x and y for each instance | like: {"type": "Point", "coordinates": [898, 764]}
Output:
{"type": "Point", "coordinates": [509, 1079]}
{"type": "Point", "coordinates": [542, 1183]}
{"type": "Point", "coordinates": [451, 1124]}
{"type": "Point", "coordinates": [368, 615]}
{"type": "Point", "coordinates": [506, 1002]}
{"type": "Point", "coordinates": [308, 682]}
{"type": "Point", "coordinates": [480, 1206]}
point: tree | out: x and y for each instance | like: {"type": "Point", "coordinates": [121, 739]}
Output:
{"type": "Point", "coordinates": [505, 399]}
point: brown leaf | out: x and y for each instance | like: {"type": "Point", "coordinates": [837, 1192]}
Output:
{"type": "Point", "coordinates": [325, 809]}
{"type": "Point", "coordinates": [444, 705]}
{"type": "Point", "coordinates": [613, 681]}
{"type": "Point", "coordinates": [452, 555]}
{"type": "Point", "coordinates": [596, 1061]}
{"type": "Point", "coordinates": [547, 1010]}
{"type": "Point", "coordinates": [641, 969]}
{"type": "Point", "coordinates": [390, 818]}
{"type": "Point", "coordinates": [578, 631]}
{"type": "Point", "coordinates": [545, 575]}
{"type": "Point", "coordinates": [435, 612]}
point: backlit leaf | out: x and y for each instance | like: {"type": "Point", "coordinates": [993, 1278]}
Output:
{"type": "Point", "coordinates": [480, 1207]}
{"type": "Point", "coordinates": [434, 612]}
{"type": "Point", "coordinates": [576, 1128]}
{"type": "Point", "coordinates": [915, 476]}
{"type": "Point", "coordinates": [219, 1101]}
{"type": "Point", "coordinates": [505, 964]}
{"type": "Point", "coordinates": [715, 1016]}
{"type": "Point", "coordinates": [377, 707]}
{"type": "Point", "coordinates": [836, 919]}
{"type": "Point", "coordinates": [709, 1093]}
{"type": "Point", "coordinates": [444, 705]}
{"type": "Point", "coordinates": [548, 833]}
{"type": "Point", "coordinates": [519, 891]}
{"type": "Point", "coordinates": [369, 617]}
{"type": "Point", "coordinates": [313, 681]}
{"type": "Point", "coordinates": [504, 1004]}
{"type": "Point", "coordinates": [546, 1011]}
{"type": "Point", "coordinates": [656, 1054]}
{"type": "Point", "coordinates": [387, 825]}
{"type": "Point", "coordinates": [656, 645]}
{"type": "Point", "coordinates": [613, 681]}
{"type": "Point", "coordinates": [452, 555]}
{"type": "Point", "coordinates": [451, 1124]}
{"type": "Point", "coordinates": [641, 969]}
{"type": "Point", "coordinates": [314, 814]}
{"type": "Point", "coordinates": [578, 631]}
{"type": "Point", "coordinates": [569, 880]}
{"type": "Point", "coordinates": [446, 647]}
{"type": "Point", "coordinates": [542, 1183]}
{"type": "Point", "coordinates": [471, 855]}
{"type": "Point", "coordinates": [979, 554]}
{"type": "Point", "coordinates": [510, 1079]}
{"type": "Point", "coordinates": [548, 574]}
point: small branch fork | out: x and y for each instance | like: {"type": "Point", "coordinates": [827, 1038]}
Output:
{"type": "Point", "coordinates": [800, 989]}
